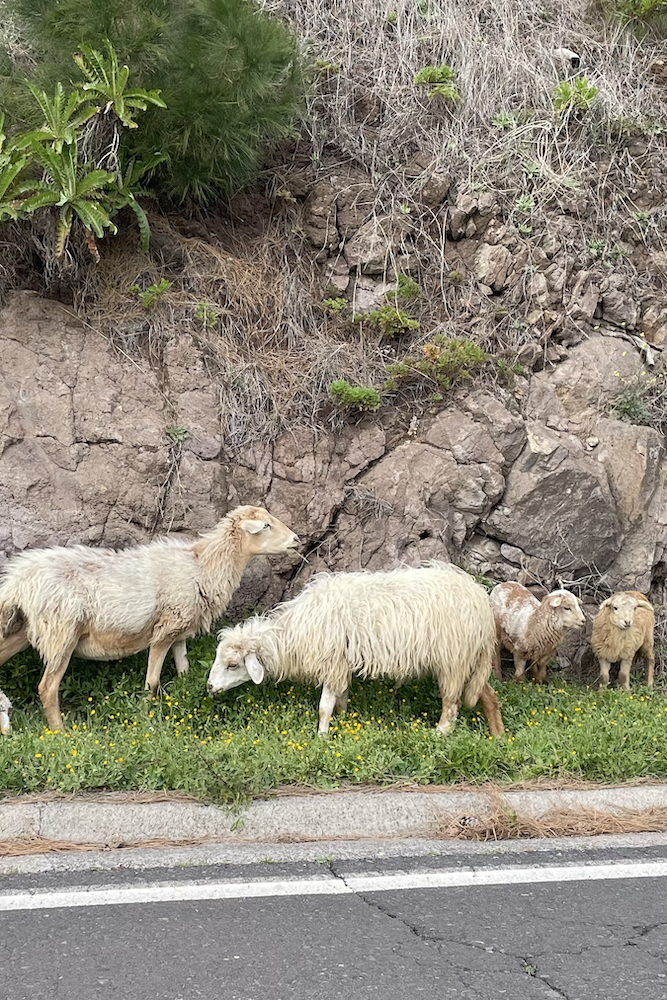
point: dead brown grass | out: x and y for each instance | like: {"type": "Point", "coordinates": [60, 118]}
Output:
{"type": "Point", "coordinates": [269, 349]}
{"type": "Point", "coordinates": [503, 823]}
{"type": "Point", "coordinates": [17, 846]}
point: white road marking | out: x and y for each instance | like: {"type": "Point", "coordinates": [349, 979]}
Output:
{"type": "Point", "coordinates": [173, 892]}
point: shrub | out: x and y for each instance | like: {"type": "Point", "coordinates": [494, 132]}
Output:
{"type": "Point", "coordinates": [576, 96]}
{"type": "Point", "coordinates": [642, 15]}
{"type": "Point", "coordinates": [152, 294]}
{"type": "Point", "coordinates": [644, 401]}
{"type": "Point", "coordinates": [524, 204]}
{"type": "Point", "coordinates": [230, 76]}
{"type": "Point", "coordinates": [351, 397]}
{"type": "Point", "coordinates": [503, 120]}
{"type": "Point", "coordinates": [206, 314]}
{"type": "Point", "coordinates": [440, 80]}
{"type": "Point", "coordinates": [444, 361]}
{"type": "Point", "coordinates": [406, 287]}
{"type": "Point", "coordinates": [390, 321]}
{"type": "Point", "coordinates": [335, 306]}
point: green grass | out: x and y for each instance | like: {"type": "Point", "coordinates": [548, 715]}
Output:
{"type": "Point", "coordinates": [255, 739]}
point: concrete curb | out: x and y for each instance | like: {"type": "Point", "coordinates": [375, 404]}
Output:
{"type": "Point", "coordinates": [300, 818]}
{"type": "Point", "coordinates": [322, 851]}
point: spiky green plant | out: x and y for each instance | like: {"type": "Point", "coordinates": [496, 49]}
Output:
{"type": "Point", "coordinates": [75, 189]}
{"type": "Point", "coordinates": [106, 82]}
{"type": "Point", "coordinates": [64, 114]}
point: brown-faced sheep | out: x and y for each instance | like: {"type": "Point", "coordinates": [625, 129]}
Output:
{"type": "Point", "coordinates": [622, 628]}
{"type": "Point", "coordinates": [530, 629]}
{"type": "Point", "coordinates": [102, 604]}
{"type": "Point", "coordinates": [403, 624]}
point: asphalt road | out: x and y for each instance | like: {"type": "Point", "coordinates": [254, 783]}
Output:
{"type": "Point", "coordinates": [355, 937]}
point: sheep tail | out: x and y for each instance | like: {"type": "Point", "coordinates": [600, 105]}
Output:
{"type": "Point", "coordinates": [479, 676]}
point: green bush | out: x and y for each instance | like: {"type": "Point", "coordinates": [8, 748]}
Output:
{"type": "Point", "coordinates": [390, 321]}
{"type": "Point", "coordinates": [444, 362]}
{"type": "Point", "coordinates": [575, 96]}
{"type": "Point", "coordinates": [643, 15]}
{"type": "Point", "coordinates": [440, 80]}
{"type": "Point", "coordinates": [643, 401]}
{"type": "Point", "coordinates": [152, 294]}
{"type": "Point", "coordinates": [335, 306]}
{"type": "Point", "coordinates": [230, 76]}
{"type": "Point", "coordinates": [406, 287]}
{"type": "Point", "coordinates": [351, 397]}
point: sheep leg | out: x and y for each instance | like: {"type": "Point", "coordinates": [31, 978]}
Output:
{"type": "Point", "coordinates": [156, 656]}
{"type": "Point", "coordinates": [491, 708]}
{"type": "Point", "coordinates": [605, 666]}
{"type": "Point", "coordinates": [650, 664]}
{"type": "Point", "coordinates": [341, 701]}
{"type": "Point", "coordinates": [327, 705]}
{"type": "Point", "coordinates": [181, 662]}
{"type": "Point", "coordinates": [624, 673]}
{"type": "Point", "coordinates": [450, 710]}
{"type": "Point", "coordinates": [497, 669]}
{"type": "Point", "coordinates": [12, 645]}
{"type": "Point", "coordinates": [50, 683]}
{"type": "Point", "coordinates": [541, 673]}
{"type": "Point", "coordinates": [519, 668]}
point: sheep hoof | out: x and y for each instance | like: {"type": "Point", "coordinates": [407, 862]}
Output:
{"type": "Point", "coordinates": [444, 728]}
{"type": "Point", "coordinates": [323, 736]}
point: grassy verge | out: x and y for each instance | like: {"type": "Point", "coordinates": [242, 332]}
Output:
{"type": "Point", "coordinates": [254, 739]}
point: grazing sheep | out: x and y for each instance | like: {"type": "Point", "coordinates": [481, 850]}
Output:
{"type": "Point", "coordinates": [403, 624]}
{"type": "Point", "coordinates": [531, 630]}
{"type": "Point", "coordinates": [623, 627]}
{"type": "Point", "coordinates": [103, 604]}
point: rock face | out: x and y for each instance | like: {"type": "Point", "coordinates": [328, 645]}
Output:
{"type": "Point", "coordinates": [102, 449]}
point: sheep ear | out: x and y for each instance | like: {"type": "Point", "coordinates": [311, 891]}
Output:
{"type": "Point", "coordinates": [645, 604]}
{"type": "Point", "coordinates": [254, 668]}
{"type": "Point", "coordinates": [252, 527]}
{"type": "Point", "coordinates": [556, 601]}
{"type": "Point", "coordinates": [605, 603]}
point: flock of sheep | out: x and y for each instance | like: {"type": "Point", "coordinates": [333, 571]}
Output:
{"type": "Point", "coordinates": [102, 604]}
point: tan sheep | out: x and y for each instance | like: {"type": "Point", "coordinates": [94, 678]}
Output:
{"type": "Point", "coordinates": [530, 629]}
{"type": "Point", "coordinates": [101, 604]}
{"type": "Point", "coordinates": [622, 628]}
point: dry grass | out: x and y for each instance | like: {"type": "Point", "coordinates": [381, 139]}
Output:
{"type": "Point", "coordinates": [17, 846]}
{"type": "Point", "coordinates": [269, 350]}
{"type": "Point", "coordinates": [503, 53]}
{"type": "Point", "coordinates": [503, 823]}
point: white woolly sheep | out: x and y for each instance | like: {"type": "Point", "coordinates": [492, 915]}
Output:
{"type": "Point", "coordinates": [622, 628]}
{"type": "Point", "coordinates": [103, 604]}
{"type": "Point", "coordinates": [530, 629]}
{"type": "Point", "coordinates": [402, 624]}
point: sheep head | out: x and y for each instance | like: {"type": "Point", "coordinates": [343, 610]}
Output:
{"type": "Point", "coordinates": [566, 609]}
{"type": "Point", "coordinates": [235, 663]}
{"type": "Point", "coordinates": [622, 609]}
{"type": "Point", "coordinates": [262, 533]}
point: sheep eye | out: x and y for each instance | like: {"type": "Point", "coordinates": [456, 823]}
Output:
{"type": "Point", "coordinates": [233, 666]}
{"type": "Point", "coordinates": [267, 526]}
